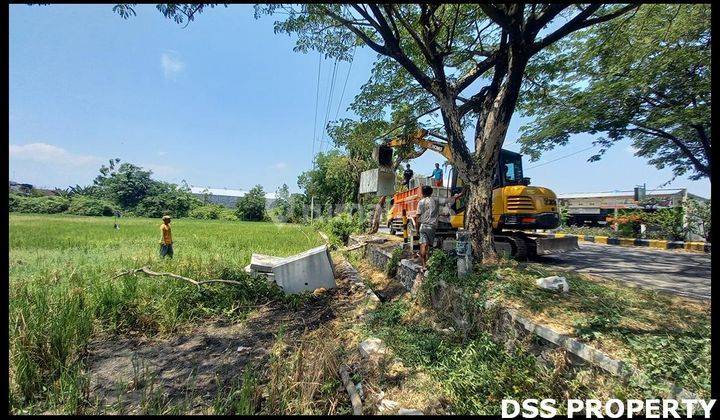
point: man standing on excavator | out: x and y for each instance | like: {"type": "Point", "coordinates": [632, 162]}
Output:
{"type": "Point", "coordinates": [407, 176]}
{"type": "Point", "coordinates": [437, 176]}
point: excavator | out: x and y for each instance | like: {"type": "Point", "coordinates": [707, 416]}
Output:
{"type": "Point", "coordinates": [517, 207]}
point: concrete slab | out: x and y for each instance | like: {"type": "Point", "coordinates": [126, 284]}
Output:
{"type": "Point", "coordinates": [306, 271]}
{"type": "Point", "coordinates": [264, 263]}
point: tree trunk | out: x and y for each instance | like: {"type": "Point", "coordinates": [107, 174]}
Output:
{"type": "Point", "coordinates": [478, 218]}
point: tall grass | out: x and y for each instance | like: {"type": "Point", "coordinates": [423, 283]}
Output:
{"type": "Point", "coordinates": [62, 290]}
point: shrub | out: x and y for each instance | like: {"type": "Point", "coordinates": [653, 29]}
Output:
{"type": "Point", "coordinates": [206, 212]}
{"type": "Point", "coordinates": [43, 204]}
{"type": "Point", "coordinates": [175, 202]}
{"type": "Point", "coordinates": [212, 212]}
{"type": "Point", "coordinates": [89, 206]}
{"type": "Point", "coordinates": [340, 227]}
{"type": "Point", "coordinates": [251, 206]}
{"type": "Point", "coordinates": [667, 223]}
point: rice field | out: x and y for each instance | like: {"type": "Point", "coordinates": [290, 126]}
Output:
{"type": "Point", "coordinates": [63, 291]}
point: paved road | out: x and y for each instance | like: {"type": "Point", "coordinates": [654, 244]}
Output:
{"type": "Point", "coordinates": [679, 272]}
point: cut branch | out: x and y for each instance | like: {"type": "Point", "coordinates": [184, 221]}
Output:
{"type": "Point", "coordinates": [197, 283]}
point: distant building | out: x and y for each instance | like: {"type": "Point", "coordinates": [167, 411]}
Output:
{"type": "Point", "coordinates": [20, 188]}
{"type": "Point", "coordinates": [224, 196]}
{"type": "Point", "coordinates": [593, 208]}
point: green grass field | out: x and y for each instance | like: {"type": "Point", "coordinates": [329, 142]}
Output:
{"type": "Point", "coordinates": [62, 291]}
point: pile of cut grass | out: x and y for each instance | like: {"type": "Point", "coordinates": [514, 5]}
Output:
{"type": "Point", "coordinates": [62, 291]}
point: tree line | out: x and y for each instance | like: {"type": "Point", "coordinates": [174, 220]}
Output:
{"type": "Point", "coordinates": [125, 189]}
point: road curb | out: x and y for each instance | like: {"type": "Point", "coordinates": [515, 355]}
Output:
{"type": "Point", "coordinates": [647, 243]}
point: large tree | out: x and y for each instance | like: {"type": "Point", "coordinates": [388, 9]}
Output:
{"type": "Point", "coordinates": [468, 60]}
{"type": "Point", "coordinates": [646, 79]}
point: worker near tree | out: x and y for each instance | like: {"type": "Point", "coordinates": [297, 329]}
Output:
{"type": "Point", "coordinates": [166, 243]}
{"type": "Point", "coordinates": [375, 225]}
{"type": "Point", "coordinates": [427, 219]}
{"type": "Point", "coordinates": [437, 176]}
{"type": "Point", "coordinates": [407, 176]}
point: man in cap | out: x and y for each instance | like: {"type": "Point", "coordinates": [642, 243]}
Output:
{"type": "Point", "coordinates": [166, 242]}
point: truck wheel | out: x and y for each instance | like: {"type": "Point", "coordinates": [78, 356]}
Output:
{"type": "Point", "coordinates": [519, 248]}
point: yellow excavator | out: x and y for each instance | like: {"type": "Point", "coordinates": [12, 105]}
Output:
{"type": "Point", "coordinates": [517, 207]}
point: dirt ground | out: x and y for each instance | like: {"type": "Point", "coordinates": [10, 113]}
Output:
{"type": "Point", "coordinates": [124, 370]}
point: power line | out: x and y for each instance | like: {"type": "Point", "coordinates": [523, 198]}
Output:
{"type": "Point", "coordinates": [342, 95]}
{"type": "Point", "coordinates": [562, 157]}
{"type": "Point", "coordinates": [329, 103]}
{"type": "Point", "coordinates": [317, 100]}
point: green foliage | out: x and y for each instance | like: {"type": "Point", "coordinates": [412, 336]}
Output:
{"type": "Point", "coordinates": [340, 227]}
{"type": "Point", "coordinates": [42, 204]}
{"type": "Point", "coordinates": [89, 206]}
{"type": "Point", "coordinates": [126, 184]}
{"type": "Point", "coordinates": [667, 223]}
{"type": "Point", "coordinates": [474, 374]}
{"type": "Point", "coordinates": [645, 78]}
{"type": "Point", "coordinates": [280, 210]}
{"type": "Point", "coordinates": [392, 265]}
{"type": "Point", "coordinates": [251, 206]}
{"type": "Point", "coordinates": [62, 290]}
{"type": "Point", "coordinates": [241, 396]}
{"type": "Point", "coordinates": [167, 199]}
{"type": "Point", "coordinates": [333, 181]}
{"type": "Point", "coordinates": [699, 218]}
{"type": "Point", "coordinates": [212, 212]}
{"type": "Point", "coordinates": [298, 208]}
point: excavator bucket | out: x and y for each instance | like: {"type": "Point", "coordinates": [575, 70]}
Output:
{"type": "Point", "coordinates": [554, 245]}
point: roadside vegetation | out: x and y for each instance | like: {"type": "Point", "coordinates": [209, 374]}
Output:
{"type": "Point", "coordinates": [63, 291]}
{"type": "Point", "coordinates": [666, 337]}
{"type": "Point", "coordinates": [665, 223]}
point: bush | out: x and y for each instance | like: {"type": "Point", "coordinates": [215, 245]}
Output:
{"type": "Point", "coordinates": [212, 212]}
{"type": "Point", "coordinates": [43, 204]}
{"type": "Point", "coordinates": [89, 206]}
{"type": "Point", "coordinates": [251, 206]}
{"type": "Point", "coordinates": [340, 227]}
{"type": "Point", "coordinates": [667, 223]}
{"type": "Point", "coordinates": [174, 202]}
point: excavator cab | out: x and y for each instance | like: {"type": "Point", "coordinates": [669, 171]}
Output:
{"type": "Point", "coordinates": [509, 170]}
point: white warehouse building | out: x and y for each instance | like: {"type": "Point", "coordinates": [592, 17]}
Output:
{"type": "Point", "coordinates": [225, 196]}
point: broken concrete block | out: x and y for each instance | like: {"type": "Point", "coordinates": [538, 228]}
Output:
{"type": "Point", "coordinates": [553, 283]}
{"type": "Point", "coordinates": [264, 263]}
{"type": "Point", "coordinates": [372, 347]}
{"type": "Point", "coordinates": [387, 406]}
{"type": "Point", "coordinates": [409, 412]}
{"type": "Point", "coordinates": [306, 271]}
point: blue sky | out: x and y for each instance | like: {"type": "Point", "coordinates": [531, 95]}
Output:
{"type": "Point", "coordinates": [224, 102]}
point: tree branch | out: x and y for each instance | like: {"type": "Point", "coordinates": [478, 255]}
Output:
{"type": "Point", "coordinates": [580, 21]}
{"type": "Point", "coordinates": [699, 166]}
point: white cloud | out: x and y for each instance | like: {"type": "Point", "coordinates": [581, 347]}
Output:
{"type": "Point", "coordinates": [160, 170]}
{"type": "Point", "coordinates": [279, 165]}
{"type": "Point", "coordinates": [47, 153]}
{"type": "Point", "coordinates": [171, 64]}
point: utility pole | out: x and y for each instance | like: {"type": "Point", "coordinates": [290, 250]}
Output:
{"type": "Point", "coordinates": [312, 208]}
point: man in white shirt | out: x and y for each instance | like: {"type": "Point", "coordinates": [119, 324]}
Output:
{"type": "Point", "coordinates": [427, 220]}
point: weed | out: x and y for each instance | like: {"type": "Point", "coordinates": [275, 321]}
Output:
{"type": "Point", "coordinates": [62, 290]}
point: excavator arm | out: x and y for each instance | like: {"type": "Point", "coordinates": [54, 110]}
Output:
{"type": "Point", "coordinates": [420, 138]}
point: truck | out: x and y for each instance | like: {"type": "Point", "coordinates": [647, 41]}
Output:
{"type": "Point", "coordinates": [518, 208]}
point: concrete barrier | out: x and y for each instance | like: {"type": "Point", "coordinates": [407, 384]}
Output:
{"type": "Point", "coordinates": [649, 243]}
{"type": "Point", "coordinates": [306, 271]}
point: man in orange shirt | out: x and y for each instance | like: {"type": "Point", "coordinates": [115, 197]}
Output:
{"type": "Point", "coordinates": [166, 248]}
